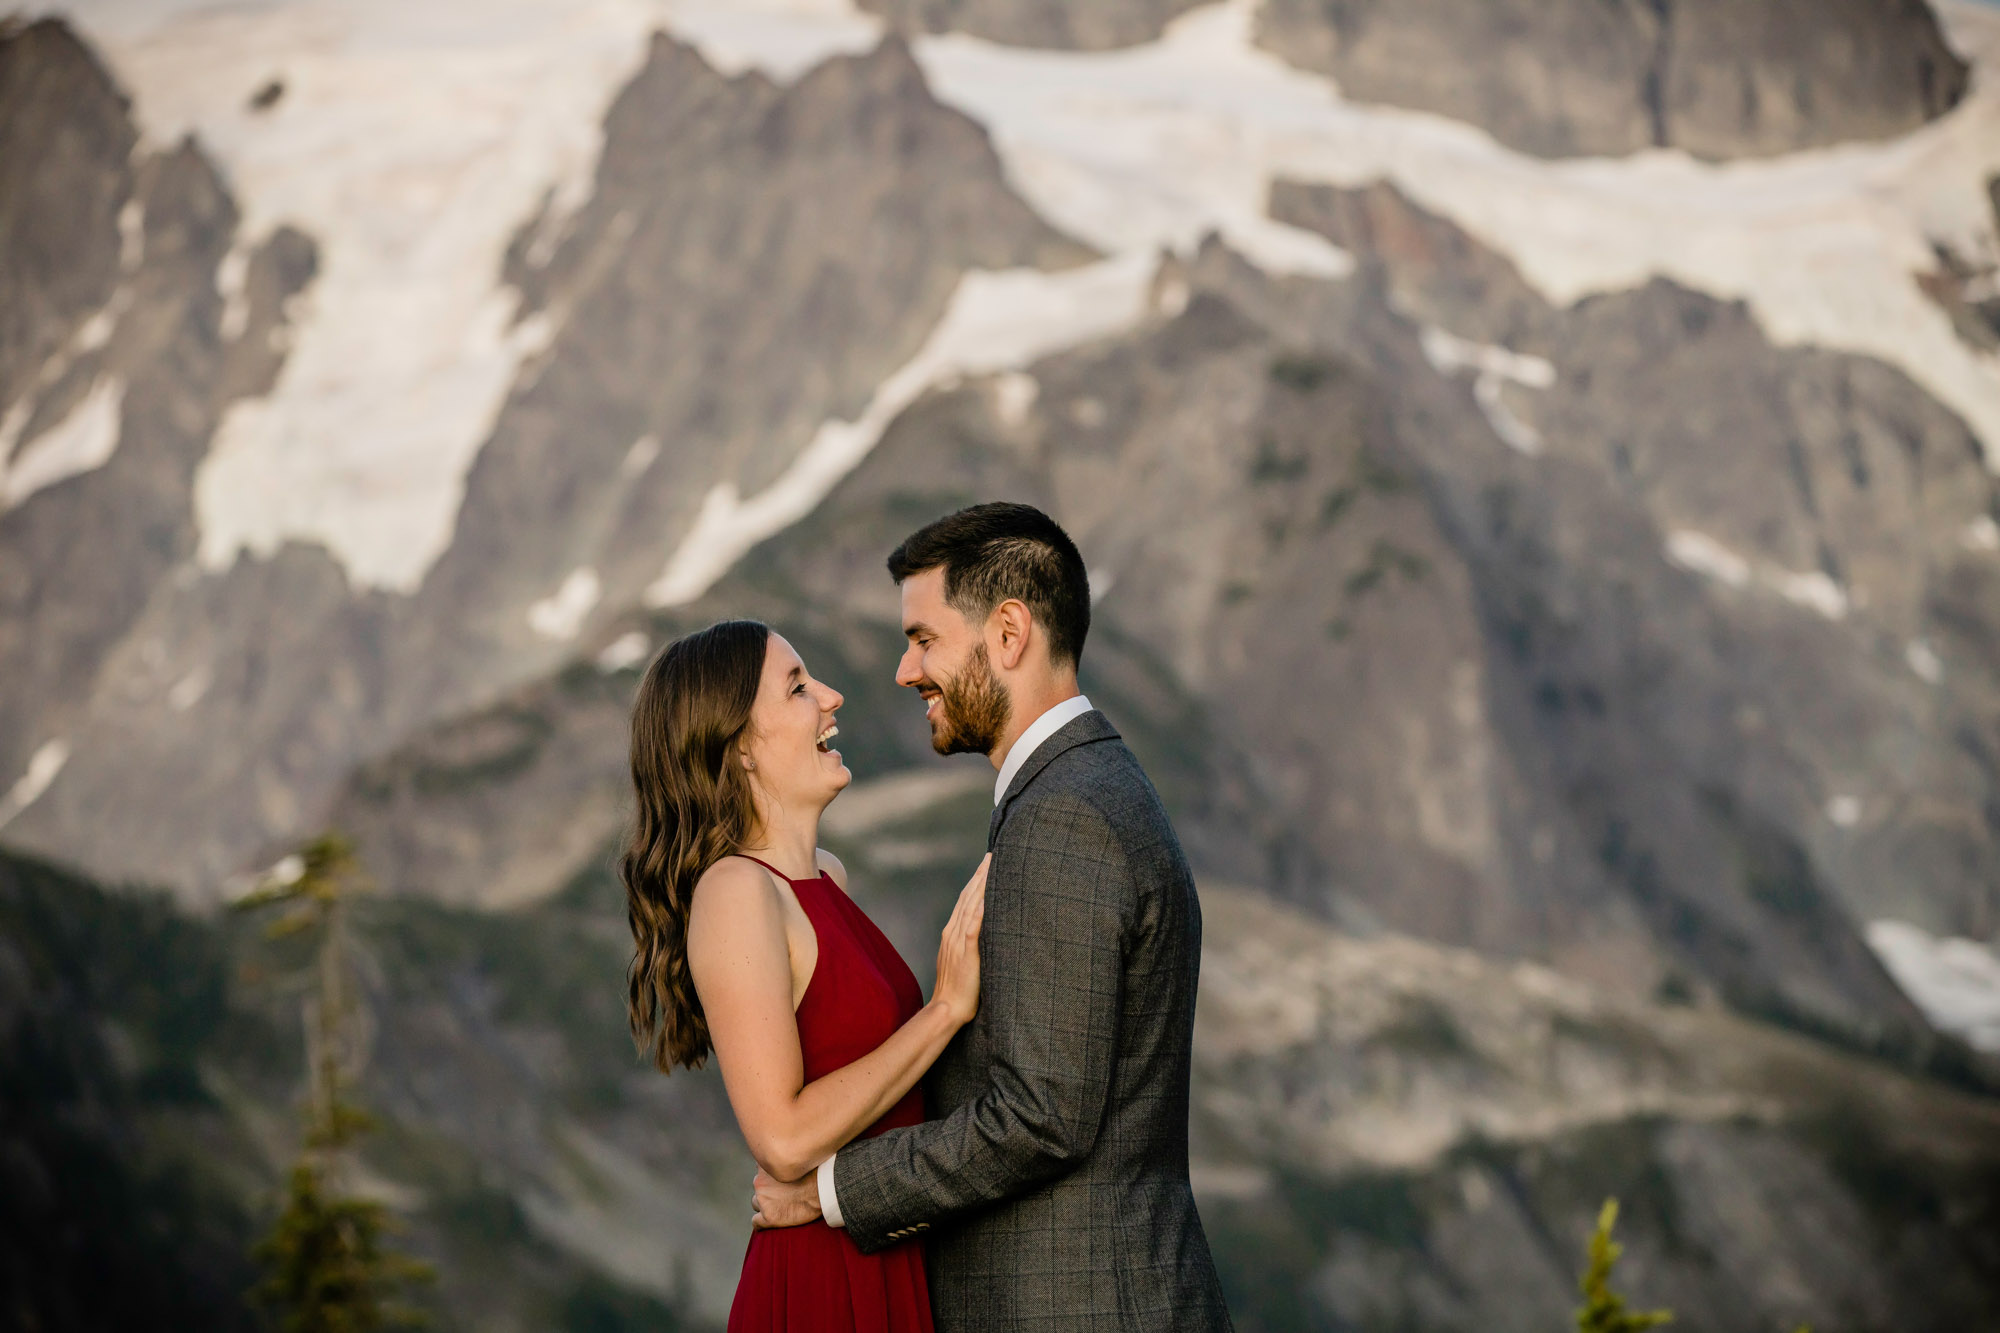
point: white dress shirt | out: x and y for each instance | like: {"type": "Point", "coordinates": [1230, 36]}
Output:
{"type": "Point", "coordinates": [1043, 727]}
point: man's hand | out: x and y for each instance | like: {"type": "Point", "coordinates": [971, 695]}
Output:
{"type": "Point", "coordinates": [780, 1205]}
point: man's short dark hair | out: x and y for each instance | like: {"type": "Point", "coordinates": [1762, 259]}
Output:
{"type": "Point", "coordinates": [993, 552]}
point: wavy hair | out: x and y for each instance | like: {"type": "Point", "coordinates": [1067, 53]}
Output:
{"type": "Point", "coordinates": [694, 807]}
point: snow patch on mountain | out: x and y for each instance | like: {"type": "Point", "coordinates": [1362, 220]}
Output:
{"type": "Point", "coordinates": [1956, 982]}
{"type": "Point", "coordinates": [997, 321]}
{"type": "Point", "coordinates": [410, 141]}
{"type": "Point", "coordinates": [624, 652]}
{"type": "Point", "coordinates": [43, 766]}
{"type": "Point", "coordinates": [1158, 144]}
{"type": "Point", "coordinates": [83, 440]}
{"type": "Point", "coordinates": [781, 39]}
{"type": "Point", "coordinates": [1699, 553]}
{"type": "Point", "coordinates": [1493, 368]}
{"type": "Point", "coordinates": [560, 615]}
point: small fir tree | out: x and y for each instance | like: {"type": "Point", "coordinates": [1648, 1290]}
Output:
{"type": "Point", "coordinates": [1603, 1309]}
{"type": "Point", "coordinates": [328, 1268]}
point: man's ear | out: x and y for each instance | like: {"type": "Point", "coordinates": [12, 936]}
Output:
{"type": "Point", "coordinates": [1012, 627]}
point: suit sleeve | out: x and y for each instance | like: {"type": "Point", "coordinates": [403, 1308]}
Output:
{"type": "Point", "coordinates": [1058, 899]}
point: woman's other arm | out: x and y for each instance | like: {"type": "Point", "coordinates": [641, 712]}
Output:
{"type": "Point", "coordinates": [738, 954]}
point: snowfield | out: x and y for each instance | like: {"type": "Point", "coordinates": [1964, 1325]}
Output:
{"type": "Point", "coordinates": [412, 141]}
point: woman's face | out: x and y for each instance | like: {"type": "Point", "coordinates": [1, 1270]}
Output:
{"type": "Point", "coordinates": [792, 763]}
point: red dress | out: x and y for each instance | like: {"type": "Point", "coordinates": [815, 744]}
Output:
{"type": "Point", "coordinates": [811, 1279]}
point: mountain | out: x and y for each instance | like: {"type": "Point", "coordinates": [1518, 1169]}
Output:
{"type": "Point", "coordinates": [1554, 592]}
{"type": "Point", "coordinates": [282, 650]}
{"type": "Point", "coordinates": [1719, 80]}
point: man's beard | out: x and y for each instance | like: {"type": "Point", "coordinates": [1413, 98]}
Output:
{"type": "Point", "coordinates": [973, 708]}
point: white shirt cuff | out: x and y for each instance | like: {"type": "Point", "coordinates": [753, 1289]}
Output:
{"type": "Point", "coordinates": [829, 1202]}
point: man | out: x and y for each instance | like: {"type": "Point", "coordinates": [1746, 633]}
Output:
{"type": "Point", "coordinates": [1052, 1182]}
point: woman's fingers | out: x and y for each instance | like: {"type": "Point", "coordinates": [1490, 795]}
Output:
{"type": "Point", "coordinates": [958, 946]}
{"type": "Point", "coordinates": [973, 888]}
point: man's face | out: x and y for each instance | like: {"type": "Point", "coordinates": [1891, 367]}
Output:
{"type": "Point", "coordinates": [946, 663]}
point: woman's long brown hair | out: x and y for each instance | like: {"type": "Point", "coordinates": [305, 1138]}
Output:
{"type": "Point", "coordinates": [694, 808]}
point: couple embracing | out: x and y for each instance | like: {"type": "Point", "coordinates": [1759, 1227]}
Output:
{"type": "Point", "coordinates": [1013, 1153]}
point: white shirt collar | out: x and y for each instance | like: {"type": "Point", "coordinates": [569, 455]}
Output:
{"type": "Point", "coordinates": [1043, 727]}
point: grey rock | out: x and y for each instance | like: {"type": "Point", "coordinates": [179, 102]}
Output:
{"type": "Point", "coordinates": [64, 143]}
{"type": "Point", "coordinates": [1588, 78]}
{"type": "Point", "coordinates": [1808, 464]}
{"type": "Point", "coordinates": [753, 261]}
{"type": "Point", "coordinates": [1095, 26]}
{"type": "Point", "coordinates": [1417, 1137]}
{"type": "Point", "coordinates": [85, 561]}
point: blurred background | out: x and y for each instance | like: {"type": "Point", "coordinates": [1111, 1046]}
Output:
{"type": "Point", "coordinates": [1536, 462]}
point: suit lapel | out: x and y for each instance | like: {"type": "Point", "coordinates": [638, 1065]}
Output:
{"type": "Point", "coordinates": [1083, 729]}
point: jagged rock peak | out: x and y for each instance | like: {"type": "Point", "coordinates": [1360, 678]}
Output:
{"type": "Point", "coordinates": [1097, 26]}
{"type": "Point", "coordinates": [65, 138]}
{"type": "Point", "coordinates": [1561, 78]}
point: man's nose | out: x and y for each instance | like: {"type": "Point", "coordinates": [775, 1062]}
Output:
{"type": "Point", "coordinates": [906, 670]}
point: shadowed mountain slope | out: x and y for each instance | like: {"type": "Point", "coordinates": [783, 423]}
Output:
{"type": "Point", "coordinates": [1586, 78]}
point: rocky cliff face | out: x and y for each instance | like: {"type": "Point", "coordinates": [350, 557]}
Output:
{"type": "Point", "coordinates": [659, 381]}
{"type": "Point", "coordinates": [1717, 79]}
{"type": "Point", "coordinates": [118, 371]}
{"type": "Point", "coordinates": [1044, 23]}
{"type": "Point", "coordinates": [1399, 1135]}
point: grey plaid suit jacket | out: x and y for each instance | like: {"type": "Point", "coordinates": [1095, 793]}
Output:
{"type": "Point", "coordinates": [1052, 1184]}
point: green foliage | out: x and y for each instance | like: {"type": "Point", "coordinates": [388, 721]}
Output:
{"type": "Point", "coordinates": [1271, 464]}
{"type": "Point", "coordinates": [328, 1270]}
{"type": "Point", "coordinates": [110, 1219]}
{"type": "Point", "coordinates": [1424, 1029]}
{"type": "Point", "coordinates": [595, 1305]}
{"type": "Point", "coordinates": [1301, 374]}
{"type": "Point", "coordinates": [1603, 1309]}
{"type": "Point", "coordinates": [327, 1267]}
{"type": "Point", "coordinates": [1385, 558]}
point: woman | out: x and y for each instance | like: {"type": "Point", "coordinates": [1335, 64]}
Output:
{"type": "Point", "coordinates": [747, 945]}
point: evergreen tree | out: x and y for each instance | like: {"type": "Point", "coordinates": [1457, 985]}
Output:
{"type": "Point", "coordinates": [1603, 1309]}
{"type": "Point", "coordinates": [327, 1264]}
{"type": "Point", "coordinates": [328, 1270]}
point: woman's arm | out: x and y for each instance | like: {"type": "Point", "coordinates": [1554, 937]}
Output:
{"type": "Point", "coordinates": [742, 971]}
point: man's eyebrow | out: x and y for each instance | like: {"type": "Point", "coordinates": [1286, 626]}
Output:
{"type": "Point", "coordinates": [916, 627]}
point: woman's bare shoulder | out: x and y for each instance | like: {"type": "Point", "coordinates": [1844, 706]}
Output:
{"type": "Point", "coordinates": [733, 888]}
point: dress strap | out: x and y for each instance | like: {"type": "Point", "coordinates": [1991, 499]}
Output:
{"type": "Point", "coordinates": [768, 866]}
